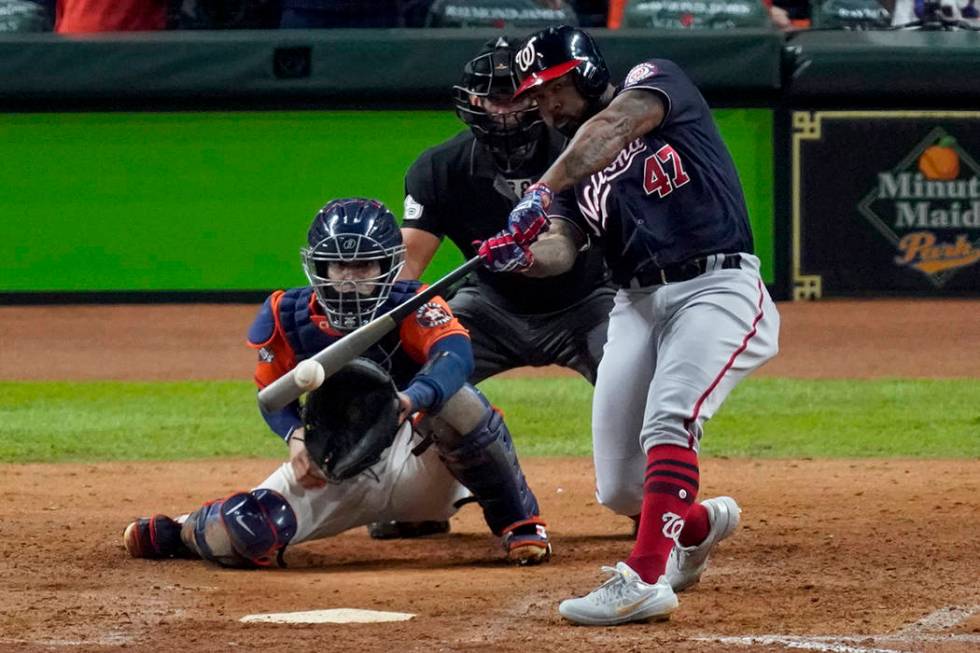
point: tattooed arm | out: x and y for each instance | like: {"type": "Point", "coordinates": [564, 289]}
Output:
{"type": "Point", "coordinates": [597, 142]}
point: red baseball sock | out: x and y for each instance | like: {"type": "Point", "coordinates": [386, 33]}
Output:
{"type": "Point", "coordinates": [696, 526]}
{"type": "Point", "coordinates": [669, 490]}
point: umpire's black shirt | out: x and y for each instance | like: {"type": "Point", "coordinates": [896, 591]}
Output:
{"type": "Point", "coordinates": [454, 190]}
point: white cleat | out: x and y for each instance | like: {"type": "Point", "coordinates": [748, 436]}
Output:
{"type": "Point", "coordinates": [622, 598]}
{"type": "Point", "coordinates": [686, 563]}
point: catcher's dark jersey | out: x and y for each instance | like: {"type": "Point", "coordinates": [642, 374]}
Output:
{"type": "Point", "coordinates": [671, 195]}
{"type": "Point", "coordinates": [454, 190]}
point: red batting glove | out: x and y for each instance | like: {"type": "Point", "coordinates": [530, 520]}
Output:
{"type": "Point", "coordinates": [502, 253]}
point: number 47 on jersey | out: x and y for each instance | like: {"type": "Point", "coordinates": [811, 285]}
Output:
{"type": "Point", "coordinates": [656, 178]}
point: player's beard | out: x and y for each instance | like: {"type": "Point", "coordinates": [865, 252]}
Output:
{"type": "Point", "coordinates": [569, 126]}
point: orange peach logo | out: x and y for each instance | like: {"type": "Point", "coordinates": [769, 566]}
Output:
{"type": "Point", "coordinates": [941, 160]}
{"type": "Point", "coordinates": [928, 206]}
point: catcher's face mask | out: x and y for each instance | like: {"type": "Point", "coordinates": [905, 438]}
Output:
{"type": "Point", "coordinates": [353, 255]}
{"type": "Point", "coordinates": [510, 127]}
{"type": "Point", "coordinates": [352, 276]}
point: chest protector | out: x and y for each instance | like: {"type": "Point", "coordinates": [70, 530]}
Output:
{"type": "Point", "coordinates": [306, 338]}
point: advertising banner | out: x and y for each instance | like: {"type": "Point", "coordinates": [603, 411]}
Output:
{"type": "Point", "coordinates": [885, 202]}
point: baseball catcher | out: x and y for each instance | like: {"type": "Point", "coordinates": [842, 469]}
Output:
{"type": "Point", "coordinates": [358, 446]}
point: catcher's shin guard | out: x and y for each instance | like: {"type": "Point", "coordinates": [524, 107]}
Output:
{"type": "Point", "coordinates": [247, 529]}
{"type": "Point", "coordinates": [483, 459]}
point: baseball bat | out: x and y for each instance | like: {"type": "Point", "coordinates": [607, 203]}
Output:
{"type": "Point", "coordinates": [284, 390]}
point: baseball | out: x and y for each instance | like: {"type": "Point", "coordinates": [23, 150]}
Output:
{"type": "Point", "coordinates": [308, 375]}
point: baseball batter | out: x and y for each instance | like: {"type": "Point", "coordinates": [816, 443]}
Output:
{"type": "Point", "coordinates": [353, 257]}
{"type": "Point", "coordinates": [647, 176]}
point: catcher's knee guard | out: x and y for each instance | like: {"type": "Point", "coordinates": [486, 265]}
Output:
{"type": "Point", "coordinates": [247, 529]}
{"type": "Point", "coordinates": [476, 447]}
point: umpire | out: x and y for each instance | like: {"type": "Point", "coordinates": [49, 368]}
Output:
{"type": "Point", "coordinates": [464, 189]}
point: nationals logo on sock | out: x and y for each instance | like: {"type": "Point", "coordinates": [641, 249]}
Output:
{"type": "Point", "coordinates": [673, 525]}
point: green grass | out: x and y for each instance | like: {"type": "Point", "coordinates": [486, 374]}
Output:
{"type": "Point", "coordinates": [765, 417]}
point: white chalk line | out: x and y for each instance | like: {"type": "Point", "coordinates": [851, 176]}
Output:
{"type": "Point", "coordinates": [808, 643]}
{"type": "Point", "coordinates": [64, 643]}
{"type": "Point", "coordinates": [840, 644]}
{"type": "Point", "coordinates": [942, 619]}
{"type": "Point", "coordinates": [923, 630]}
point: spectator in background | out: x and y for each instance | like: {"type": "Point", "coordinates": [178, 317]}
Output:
{"type": "Point", "coordinates": [310, 14]}
{"type": "Point", "coordinates": [25, 16]}
{"type": "Point", "coordinates": [591, 13]}
{"type": "Point", "coordinates": [950, 12]}
{"type": "Point", "coordinates": [786, 15]}
{"type": "Point", "coordinates": [224, 14]}
{"type": "Point", "coordinates": [73, 16]}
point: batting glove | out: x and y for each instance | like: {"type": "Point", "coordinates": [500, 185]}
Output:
{"type": "Point", "coordinates": [502, 253]}
{"type": "Point", "coordinates": [530, 217]}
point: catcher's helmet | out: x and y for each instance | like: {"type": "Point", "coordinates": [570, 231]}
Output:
{"type": "Point", "coordinates": [353, 255]}
{"type": "Point", "coordinates": [484, 100]}
{"type": "Point", "coordinates": [557, 51]}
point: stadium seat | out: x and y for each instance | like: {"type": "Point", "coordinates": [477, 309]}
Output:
{"type": "Point", "coordinates": [523, 14]}
{"type": "Point", "coordinates": [695, 14]}
{"type": "Point", "coordinates": [850, 14]}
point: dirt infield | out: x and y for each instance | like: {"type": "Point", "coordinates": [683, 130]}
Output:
{"type": "Point", "coordinates": [844, 556]}
{"type": "Point", "coordinates": [830, 339]}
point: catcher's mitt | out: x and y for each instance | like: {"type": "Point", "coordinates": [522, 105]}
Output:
{"type": "Point", "coordinates": [351, 419]}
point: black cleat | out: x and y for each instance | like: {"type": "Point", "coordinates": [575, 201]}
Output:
{"type": "Point", "coordinates": [156, 537]}
{"type": "Point", "coordinates": [399, 530]}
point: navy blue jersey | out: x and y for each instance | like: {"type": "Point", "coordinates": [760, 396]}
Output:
{"type": "Point", "coordinates": [671, 195]}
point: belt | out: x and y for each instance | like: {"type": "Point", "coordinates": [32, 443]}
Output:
{"type": "Point", "coordinates": [685, 271]}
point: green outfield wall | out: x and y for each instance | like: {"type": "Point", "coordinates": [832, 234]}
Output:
{"type": "Point", "coordinates": [219, 201]}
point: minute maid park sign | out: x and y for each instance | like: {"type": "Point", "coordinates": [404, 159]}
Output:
{"type": "Point", "coordinates": [928, 206]}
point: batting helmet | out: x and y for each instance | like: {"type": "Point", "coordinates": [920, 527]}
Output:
{"type": "Point", "coordinates": [557, 51]}
{"type": "Point", "coordinates": [353, 255]}
{"type": "Point", "coordinates": [484, 100]}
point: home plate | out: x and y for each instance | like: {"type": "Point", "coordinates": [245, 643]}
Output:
{"type": "Point", "coordinates": [332, 616]}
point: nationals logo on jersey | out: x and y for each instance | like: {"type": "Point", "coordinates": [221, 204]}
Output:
{"type": "Point", "coordinates": [640, 72]}
{"type": "Point", "coordinates": [595, 191]}
{"type": "Point", "coordinates": [432, 315]}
